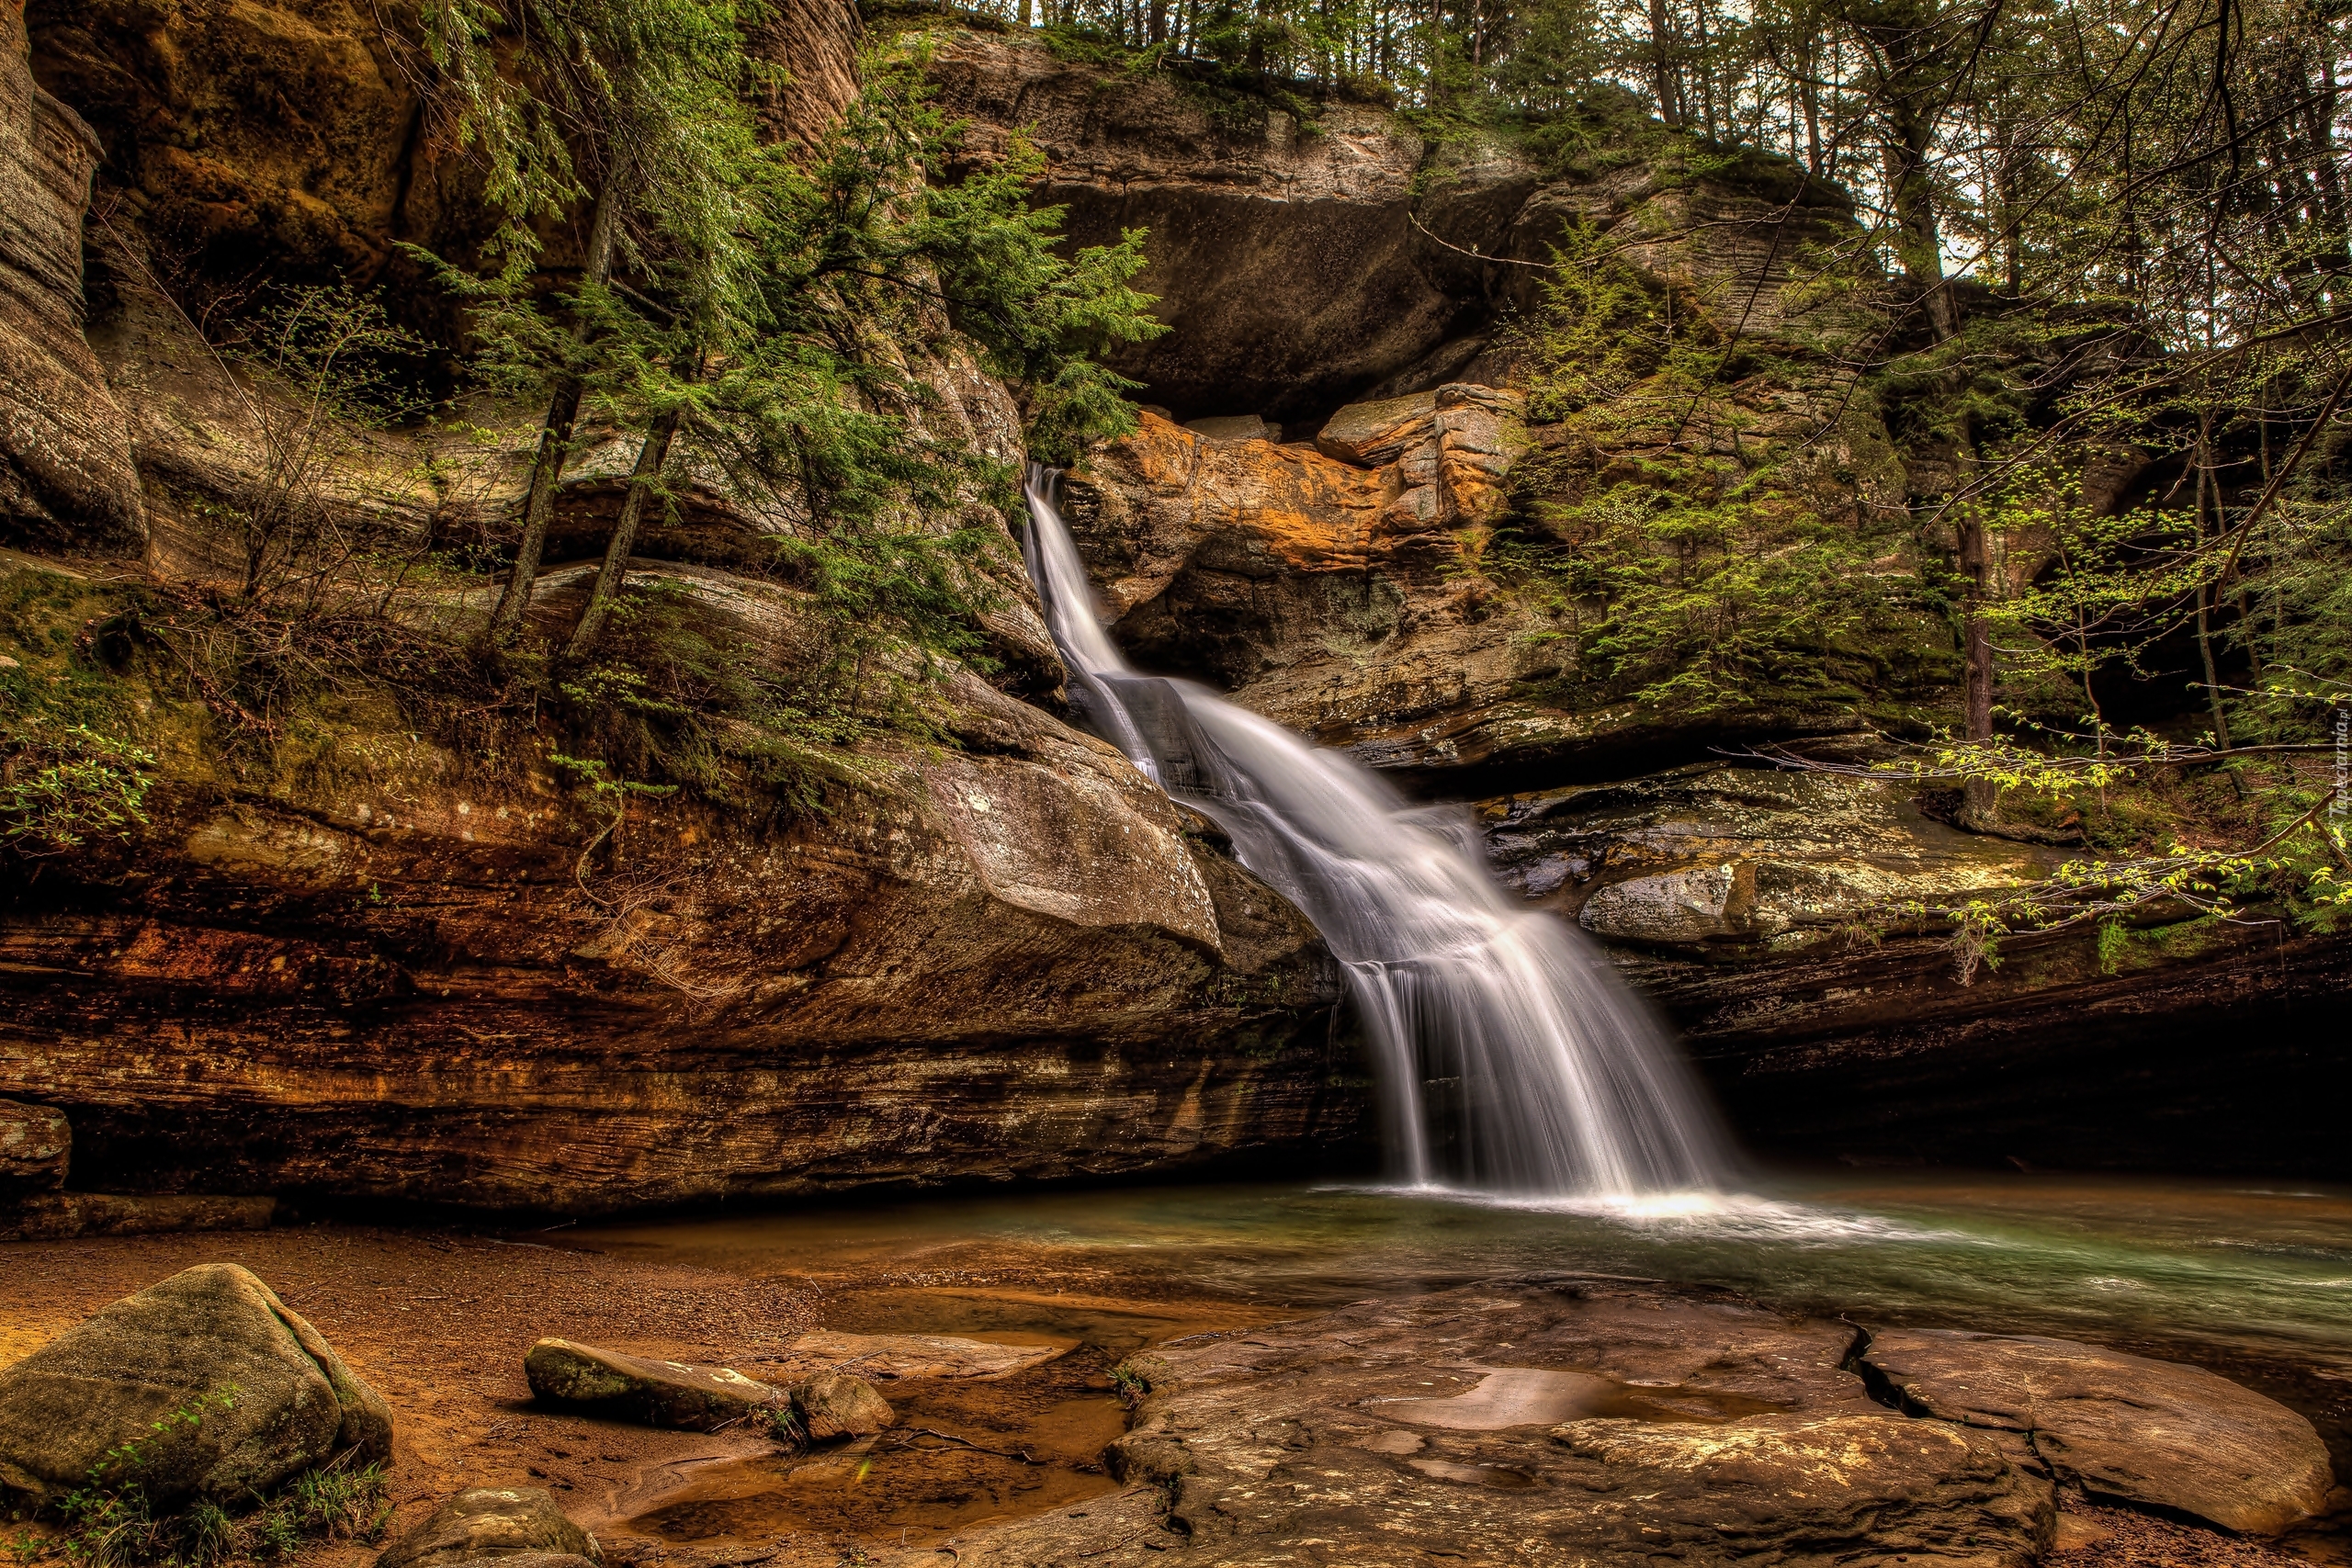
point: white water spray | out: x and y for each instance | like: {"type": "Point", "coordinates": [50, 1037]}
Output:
{"type": "Point", "coordinates": [1511, 1059]}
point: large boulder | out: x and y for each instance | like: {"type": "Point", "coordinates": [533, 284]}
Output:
{"type": "Point", "coordinates": [204, 1386]}
{"type": "Point", "coordinates": [35, 1146]}
{"type": "Point", "coordinates": [517, 1527]}
{"type": "Point", "coordinates": [640, 1388]}
{"type": "Point", "coordinates": [2125, 1427]}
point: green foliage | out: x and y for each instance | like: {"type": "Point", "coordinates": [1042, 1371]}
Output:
{"type": "Point", "coordinates": [1728, 568]}
{"type": "Point", "coordinates": [58, 787]}
{"type": "Point", "coordinates": [671, 696]}
{"type": "Point", "coordinates": [654, 90]}
{"type": "Point", "coordinates": [1128, 1381]}
{"type": "Point", "coordinates": [321, 369]}
{"type": "Point", "coordinates": [69, 771]}
{"type": "Point", "coordinates": [801, 362]}
{"type": "Point", "coordinates": [875, 235]}
{"type": "Point", "coordinates": [782, 1422]}
{"type": "Point", "coordinates": [108, 1523]}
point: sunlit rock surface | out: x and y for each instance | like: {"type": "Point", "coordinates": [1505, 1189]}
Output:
{"type": "Point", "coordinates": [1585, 1420]}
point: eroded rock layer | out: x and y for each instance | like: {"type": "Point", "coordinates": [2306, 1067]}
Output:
{"type": "Point", "coordinates": [1013, 960]}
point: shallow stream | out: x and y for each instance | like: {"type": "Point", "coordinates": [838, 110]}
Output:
{"type": "Point", "coordinates": [2251, 1279]}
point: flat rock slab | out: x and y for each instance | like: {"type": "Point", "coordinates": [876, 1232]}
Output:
{"type": "Point", "coordinates": [640, 1388]}
{"type": "Point", "coordinates": [1559, 1421]}
{"type": "Point", "coordinates": [2124, 1428]}
{"type": "Point", "coordinates": [895, 1356]}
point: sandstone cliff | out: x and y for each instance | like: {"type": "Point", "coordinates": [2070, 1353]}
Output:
{"type": "Point", "coordinates": [352, 956]}
{"type": "Point", "coordinates": [65, 464]}
{"type": "Point", "coordinates": [1367, 295]}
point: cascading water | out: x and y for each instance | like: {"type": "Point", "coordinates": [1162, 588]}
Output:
{"type": "Point", "coordinates": [1511, 1059]}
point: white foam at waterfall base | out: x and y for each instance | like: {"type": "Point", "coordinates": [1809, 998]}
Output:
{"type": "Point", "coordinates": [1511, 1059]}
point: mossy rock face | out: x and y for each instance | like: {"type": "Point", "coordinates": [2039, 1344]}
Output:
{"type": "Point", "coordinates": [204, 1386]}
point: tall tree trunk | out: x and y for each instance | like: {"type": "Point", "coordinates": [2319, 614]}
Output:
{"type": "Point", "coordinates": [1809, 96]}
{"type": "Point", "coordinates": [1437, 52]}
{"type": "Point", "coordinates": [1979, 798]}
{"type": "Point", "coordinates": [555, 434]}
{"type": "Point", "coordinates": [2205, 483]}
{"type": "Point", "coordinates": [651, 457]}
{"type": "Point", "coordinates": [1665, 77]}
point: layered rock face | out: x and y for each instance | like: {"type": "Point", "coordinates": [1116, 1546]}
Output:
{"type": "Point", "coordinates": [390, 971]}
{"type": "Point", "coordinates": [1301, 267]}
{"type": "Point", "coordinates": [1333, 574]}
{"type": "Point", "coordinates": [66, 473]}
{"type": "Point", "coordinates": [1017, 959]}
{"type": "Point", "coordinates": [1330, 587]}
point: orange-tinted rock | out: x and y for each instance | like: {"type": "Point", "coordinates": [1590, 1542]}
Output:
{"type": "Point", "coordinates": [1448, 1426]}
{"type": "Point", "coordinates": [2123, 1428]}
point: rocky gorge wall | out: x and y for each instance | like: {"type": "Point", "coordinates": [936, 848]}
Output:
{"type": "Point", "coordinates": [348, 960]}
{"type": "Point", "coordinates": [1350, 305]}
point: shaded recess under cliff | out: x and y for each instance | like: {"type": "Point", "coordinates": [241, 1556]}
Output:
{"type": "Point", "coordinates": [1304, 265]}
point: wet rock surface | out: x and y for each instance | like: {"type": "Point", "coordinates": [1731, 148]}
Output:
{"type": "Point", "coordinates": [2122, 1427]}
{"type": "Point", "coordinates": [919, 1356]}
{"type": "Point", "coordinates": [1520, 1420]}
{"type": "Point", "coordinates": [203, 1386]}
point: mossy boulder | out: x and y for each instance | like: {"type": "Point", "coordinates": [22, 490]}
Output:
{"type": "Point", "coordinates": [641, 1388]}
{"type": "Point", "coordinates": [204, 1386]}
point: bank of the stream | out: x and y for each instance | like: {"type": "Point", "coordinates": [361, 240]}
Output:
{"type": "Point", "coordinates": [2250, 1281]}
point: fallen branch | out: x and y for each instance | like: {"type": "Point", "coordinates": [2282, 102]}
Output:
{"type": "Point", "coordinates": [1023, 1455]}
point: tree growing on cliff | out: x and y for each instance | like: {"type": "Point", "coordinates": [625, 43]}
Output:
{"type": "Point", "coordinates": [651, 93]}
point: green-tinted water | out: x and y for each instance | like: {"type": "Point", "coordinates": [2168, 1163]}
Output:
{"type": "Point", "coordinates": [2252, 1278]}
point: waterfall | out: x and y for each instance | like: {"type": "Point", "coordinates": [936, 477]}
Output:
{"type": "Point", "coordinates": [1510, 1057]}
